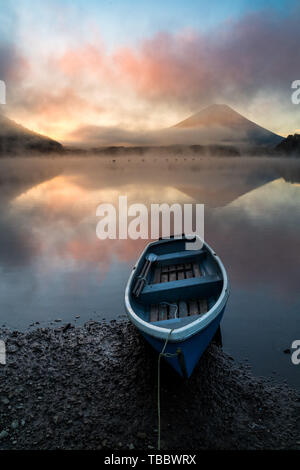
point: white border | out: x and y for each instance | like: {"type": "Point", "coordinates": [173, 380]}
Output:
{"type": "Point", "coordinates": [185, 332]}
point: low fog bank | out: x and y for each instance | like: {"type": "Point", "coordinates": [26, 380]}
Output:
{"type": "Point", "coordinates": [172, 151]}
{"type": "Point", "coordinates": [19, 174]}
{"type": "Point", "coordinates": [28, 167]}
{"type": "Point", "coordinates": [33, 146]}
{"type": "Point", "coordinates": [222, 130]}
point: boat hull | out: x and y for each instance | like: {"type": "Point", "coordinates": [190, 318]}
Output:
{"type": "Point", "coordinates": [198, 298]}
{"type": "Point", "coordinates": [187, 353]}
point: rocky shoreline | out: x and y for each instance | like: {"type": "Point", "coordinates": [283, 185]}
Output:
{"type": "Point", "coordinates": [95, 387]}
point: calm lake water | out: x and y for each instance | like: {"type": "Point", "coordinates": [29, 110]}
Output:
{"type": "Point", "coordinates": [52, 265]}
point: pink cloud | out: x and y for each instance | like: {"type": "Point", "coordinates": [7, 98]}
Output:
{"type": "Point", "coordinates": [240, 58]}
{"type": "Point", "coordinates": [88, 58]}
{"type": "Point", "coordinates": [258, 54]}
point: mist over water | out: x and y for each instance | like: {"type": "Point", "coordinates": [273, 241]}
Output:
{"type": "Point", "coordinates": [52, 265]}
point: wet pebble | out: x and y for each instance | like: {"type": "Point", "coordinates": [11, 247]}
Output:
{"type": "Point", "coordinates": [95, 386]}
{"type": "Point", "coordinates": [3, 434]}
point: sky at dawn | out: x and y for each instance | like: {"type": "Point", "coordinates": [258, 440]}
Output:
{"type": "Point", "coordinates": [141, 65]}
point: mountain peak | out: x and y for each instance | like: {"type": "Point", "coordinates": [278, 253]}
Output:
{"type": "Point", "coordinates": [218, 107]}
{"type": "Point", "coordinates": [213, 115]}
{"type": "Point", "coordinates": [220, 122]}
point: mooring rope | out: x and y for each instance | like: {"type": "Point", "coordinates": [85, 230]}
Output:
{"type": "Point", "coordinates": [171, 305]}
{"type": "Point", "coordinates": [162, 354]}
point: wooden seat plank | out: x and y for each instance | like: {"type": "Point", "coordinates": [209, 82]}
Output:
{"type": "Point", "coordinates": [203, 306]}
{"type": "Point", "coordinates": [194, 309]}
{"type": "Point", "coordinates": [183, 310]}
{"type": "Point", "coordinates": [163, 312]}
{"type": "Point", "coordinates": [156, 279]}
{"type": "Point", "coordinates": [173, 311]}
{"type": "Point", "coordinates": [153, 313]}
{"type": "Point", "coordinates": [196, 270]}
{"type": "Point", "coordinates": [172, 268]}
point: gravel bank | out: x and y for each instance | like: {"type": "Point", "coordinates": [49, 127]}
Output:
{"type": "Point", "coordinates": [94, 387]}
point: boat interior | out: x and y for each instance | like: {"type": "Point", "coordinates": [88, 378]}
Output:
{"type": "Point", "coordinates": [174, 286]}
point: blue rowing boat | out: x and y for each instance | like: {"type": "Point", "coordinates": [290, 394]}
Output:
{"type": "Point", "coordinates": [176, 297]}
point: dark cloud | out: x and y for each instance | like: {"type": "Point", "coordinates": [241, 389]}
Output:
{"type": "Point", "coordinates": [11, 63]}
{"type": "Point", "coordinates": [258, 52]}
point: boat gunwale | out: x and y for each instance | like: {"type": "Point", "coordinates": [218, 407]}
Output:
{"type": "Point", "coordinates": [185, 332]}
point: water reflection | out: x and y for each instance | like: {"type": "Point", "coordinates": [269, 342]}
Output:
{"type": "Point", "coordinates": [53, 266]}
{"type": "Point", "coordinates": [62, 214]}
{"type": "Point", "coordinates": [259, 232]}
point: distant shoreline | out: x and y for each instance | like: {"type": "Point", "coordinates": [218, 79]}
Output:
{"type": "Point", "coordinates": [175, 151]}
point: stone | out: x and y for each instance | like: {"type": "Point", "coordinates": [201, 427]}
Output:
{"type": "Point", "coordinates": [15, 424]}
{"type": "Point", "coordinates": [3, 434]}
